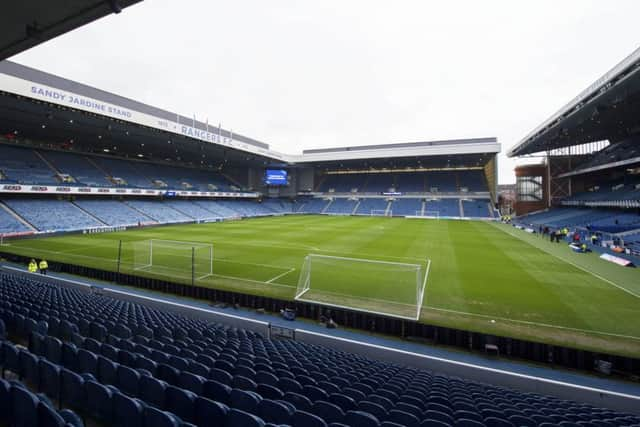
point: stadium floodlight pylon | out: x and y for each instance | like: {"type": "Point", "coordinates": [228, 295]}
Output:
{"type": "Point", "coordinates": [388, 288]}
{"type": "Point", "coordinates": [379, 212]}
{"type": "Point", "coordinates": [174, 258]}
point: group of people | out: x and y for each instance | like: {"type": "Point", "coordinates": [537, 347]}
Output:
{"type": "Point", "coordinates": [42, 266]}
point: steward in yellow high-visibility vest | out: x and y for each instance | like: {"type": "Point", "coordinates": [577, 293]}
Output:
{"type": "Point", "coordinates": [43, 267]}
{"type": "Point", "coordinates": [33, 267]}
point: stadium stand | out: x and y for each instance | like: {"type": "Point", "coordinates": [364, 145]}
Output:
{"type": "Point", "coordinates": [441, 182]}
{"type": "Point", "coordinates": [403, 206]}
{"type": "Point", "coordinates": [444, 207]}
{"type": "Point", "coordinates": [477, 208]}
{"type": "Point", "coordinates": [341, 206]}
{"type": "Point", "coordinates": [49, 215]}
{"type": "Point", "coordinates": [191, 209]}
{"type": "Point", "coordinates": [77, 167]}
{"type": "Point", "coordinates": [159, 212]}
{"type": "Point", "coordinates": [343, 183]}
{"type": "Point", "coordinates": [121, 363]}
{"type": "Point", "coordinates": [379, 182]}
{"type": "Point", "coordinates": [410, 182]}
{"type": "Point", "coordinates": [112, 212]}
{"type": "Point", "coordinates": [23, 166]}
{"type": "Point", "coordinates": [313, 205]}
{"type": "Point", "coordinates": [10, 224]}
{"type": "Point", "coordinates": [48, 167]}
{"type": "Point", "coordinates": [471, 180]}
{"type": "Point", "coordinates": [369, 204]}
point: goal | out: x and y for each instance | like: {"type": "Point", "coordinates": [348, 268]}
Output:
{"type": "Point", "coordinates": [431, 214]}
{"type": "Point", "coordinates": [188, 260]}
{"type": "Point", "coordinates": [389, 288]}
{"type": "Point", "coordinates": [379, 212]}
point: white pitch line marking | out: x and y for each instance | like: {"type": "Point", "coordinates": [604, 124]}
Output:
{"type": "Point", "coordinates": [280, 275]}
{"type": "Point", "coordinates": [622, 288]}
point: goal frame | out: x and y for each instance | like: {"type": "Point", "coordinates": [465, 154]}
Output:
{"type": "Point", "coordinates": [378, 212]}
{"type": "Point", "coordinates": [186, 245]}
{"type": "Point", "coordinates": [431, 214]}
{"type": "Point", "coordinates": [306, 274]}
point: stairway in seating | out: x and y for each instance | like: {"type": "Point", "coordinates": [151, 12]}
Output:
{"type": "Point", "coordinates": [388, 209]}
{"type": "Point", "coordinates": [327, 207]}
{"type": "Point", "coordinates": [355, 208]}
{"type": "Point", "coordinates": [89, 213]}
{"type": "Point", "coordinates": [48, 163]}
{"type": "Point", "coordinates": [17, 217]}
{"type": "Point", "coordinates": [461, 208]}
{"type": "Point", "coordinates": [424, 208]}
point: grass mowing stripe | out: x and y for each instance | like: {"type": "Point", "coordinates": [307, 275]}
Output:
{"type": "Point", "coordinates": [622, 288]}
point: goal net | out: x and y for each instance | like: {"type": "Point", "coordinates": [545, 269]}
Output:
{"type": "Point", "coordinates": [431, 214]}
{"type": "Point", "coordinates": [188, 260]}
{"type": "Point", "coordinates": [378, 212]}
{"type": "Point", "coordinates": [382, 287]}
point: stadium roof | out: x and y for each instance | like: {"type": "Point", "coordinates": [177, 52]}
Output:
{"type": "Point", "coordinates": [54, 108]}
{"type": "Point", "coordinates": [606, 110]}
{"type": "Point", "coordinates": [27, 23]}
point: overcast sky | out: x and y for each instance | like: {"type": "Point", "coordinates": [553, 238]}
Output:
{"type": "Point", "coordinates": [300, 74]}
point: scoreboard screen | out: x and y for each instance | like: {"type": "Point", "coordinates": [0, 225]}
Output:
{"type": "Point", "coordinates": [276, 177]}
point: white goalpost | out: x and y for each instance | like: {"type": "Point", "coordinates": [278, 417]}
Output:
{"type": "Point", "coordinates": [383, 287]}
{"type": "Point", "coordinates": [174, 258]}
{"type": "Point", "coordinates": [378, 212]}
{"type": "Point", "coordinates": [431, 214]}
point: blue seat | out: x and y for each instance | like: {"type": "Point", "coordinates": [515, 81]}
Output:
{"type": "Point", "coordinates": [48, 417]}
{"type": "Point", "coordinates": [180, 402]}
{"type": "Point", "coordinates": [3, 330]}
{"type": "Point", "coordinates": [87, 363]}
{"type": "Point", "coordinates": [5, 401]}
{"type": "Point", "coordinates": [244, 400]}
{"type": "Point", "coordinates": [152, 391]}
{"type": "Point", "coordinates": [153, 417]}
{"type": "Point", "coordinates": [220, 375]}
{"type": "Point", "coordinates": [191, 382]}
{"type": "Point", "coordinates": [243, 383]}
{"type": "Point", "coordinates": [99, 401]}
{"type": "Point", "coordinates": [198, 368]}
{"type": "Point", "coordinates": [10, 357]}
{"type": "Point", "coordinates": [269, 392]}
{"type": "Point", "coordinates": [37, 344]}
{"type": "Point", "coordinates": [72, 391]}
{"type": "Point", "coordinates": [315, 393]}
{"type": "Point", "coordinates": [373, 408]}
{"type": "Point", "coordinates": [381, 400]}
{"type": "Point", "coordinates": [361, 419]}
{"type": "Point", "coordinates": [237, 418]}
{"type": "Point", "coordinates": [403, 418]}
{"type": "Point", "coordinates": [301, 403]}
{"type": "Point", "coordinates": [24, 407]}
{"type": "Point", "coordinates": [264, 377]}
{"type": "Point", "coordinates": [465, 422]}
{"type": "Point", "coordinates": [127, 412]}
{"type": "Point", "coordinates": [128, 380]}
{"type": "Point", "coordinates": [110, 352]}
{"type": "Point", "coordinates": [499, 422]}
{"type": "Point", "coordinates": [29, 371]}
{"type": "Point", "coordinates": [107, 371]}
{"type": "Point", "coordinates": [329, 412]}
{"type": "Point", "coordinates": [306, 419]}
{"type": "Point", "coordinates": [209, 412]}
{"type": "Point", "coordinates": [217, 391]}
{"type": "Point", "coordinates": [406, 407]}
{"type": "Point", "coordinates": [275, 412]}
{"type": "Point", "coordinates": [288, 384]}
{"type": "Point", "coordinates": [145, 363]}
{"type": "Point", "coordinates": [167, 373]}
{"type": "Point", "coordinates": [97, 331]}
{"type": "Point", "coordinates": [53, 349]}
{"type": "Point", "coordinates": [437, 415]}
{"type": "Point", "coordinates": [344, 402]}
{"type": "Point", "coordinates": [49, 378]}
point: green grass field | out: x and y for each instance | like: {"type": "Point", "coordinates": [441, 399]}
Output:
{"type": "Point", "coordinates": [483, 276]}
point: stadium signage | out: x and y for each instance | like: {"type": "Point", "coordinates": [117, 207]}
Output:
{"type": "Point", "coordinates": [178, 126]}
{"type": "Point", "coordinates": [616, 260]}
{"type": "Point", "coordinates": [13, 188]}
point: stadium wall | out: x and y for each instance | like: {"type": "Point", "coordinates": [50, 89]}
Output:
{"type": "Point", "coordinates": [547, 354]}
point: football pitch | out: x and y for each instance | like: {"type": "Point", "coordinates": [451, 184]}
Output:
{"type": "Point", "coordinates": [474, 275]}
